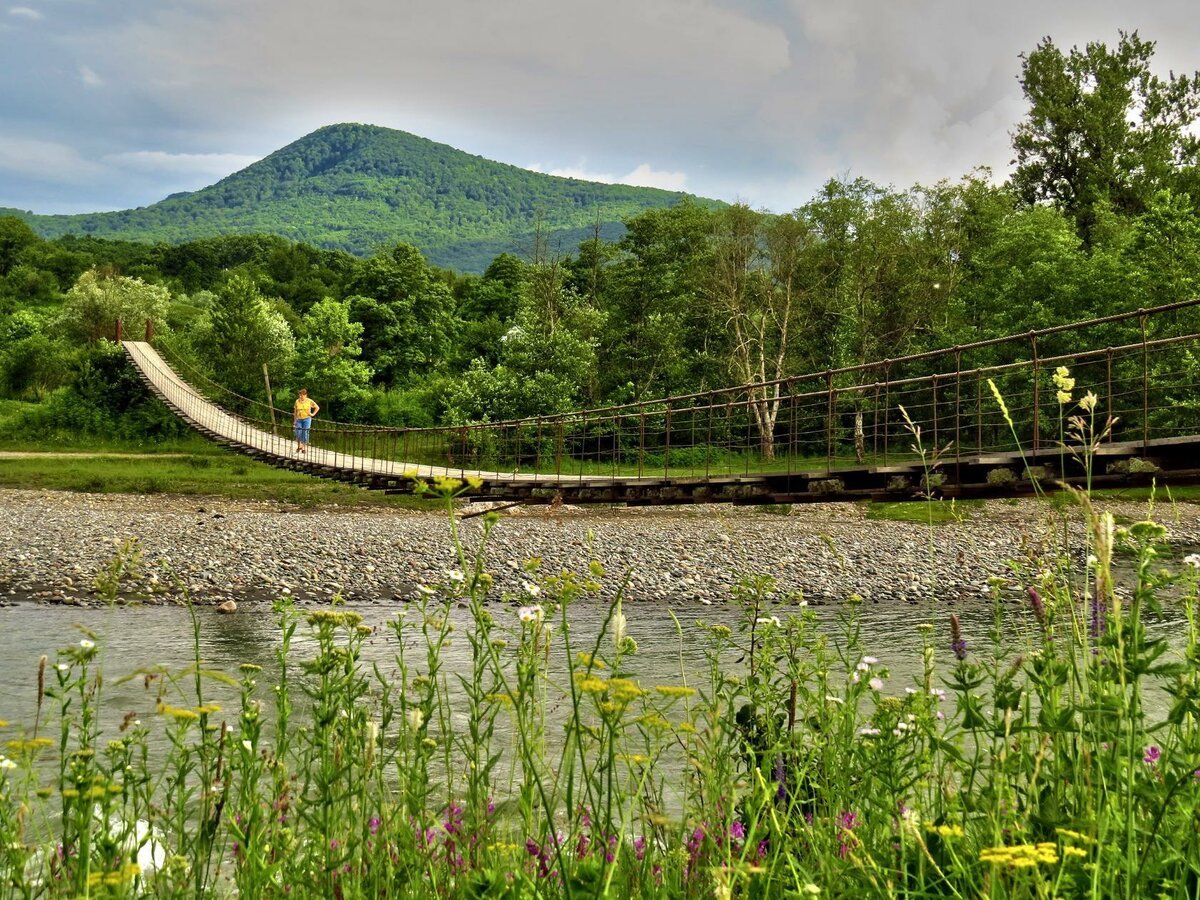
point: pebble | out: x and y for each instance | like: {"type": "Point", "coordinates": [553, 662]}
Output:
{"type": "Point", "coordinates": [52, 546]}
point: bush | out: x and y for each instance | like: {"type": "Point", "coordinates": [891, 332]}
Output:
{"type": "Point", "coordinates": [1001, 477]}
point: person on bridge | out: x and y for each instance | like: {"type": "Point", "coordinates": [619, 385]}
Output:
{"type": "Point", "coordinates": [302, 416]}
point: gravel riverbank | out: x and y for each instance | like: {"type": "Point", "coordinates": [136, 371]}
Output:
{"type": "Point", "coordinates": [52, 545]}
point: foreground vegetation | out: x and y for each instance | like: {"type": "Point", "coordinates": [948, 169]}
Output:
{"type": "Point", "coordinates": [1065, 762]}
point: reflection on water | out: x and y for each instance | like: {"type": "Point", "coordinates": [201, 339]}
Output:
{"type": "Point", "coordinates": [136, 638]}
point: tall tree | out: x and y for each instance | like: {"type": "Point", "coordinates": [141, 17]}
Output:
{"type": "Point", "coordinates": [1102, 128]}
{"type": "Point", "coordinates": [407, 311]}
{"type": "Point", "coordinates": [759, 264]}
{"type": "Point", "coordinates": [242, 334]}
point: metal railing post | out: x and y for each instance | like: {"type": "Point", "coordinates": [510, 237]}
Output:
{"type": "Point", "coordinates": [1109, 398]}
{"type": "Point", "coordinates": [829, 423]}
{"type": "Point", "coordinates": [1037, 387]}
{"type": "Point", "coordinates": [1145, 387]}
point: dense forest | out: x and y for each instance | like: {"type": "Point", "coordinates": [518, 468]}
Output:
{"type": "Point", "coordinates": [360, 187]}
{"type": "Point", "coordinates": [1100, 214]}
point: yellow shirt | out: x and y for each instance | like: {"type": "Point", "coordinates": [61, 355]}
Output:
{"type": "Point", "coordinates": [304, 408]}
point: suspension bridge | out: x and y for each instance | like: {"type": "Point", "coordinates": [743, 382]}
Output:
{"type": "Point", "coordinates": [892, 429]}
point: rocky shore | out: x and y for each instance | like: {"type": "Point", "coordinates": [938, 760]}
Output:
{"type": "Point", "coordinates": [53, 545]}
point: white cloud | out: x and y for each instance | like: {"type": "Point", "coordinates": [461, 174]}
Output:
{"type": "Point", "coordinates": [218, 164]}
{"type": "Point", "coordinates": [45, 160]}
{"type": "Point", "coordinates": [643, 176]}
{"type": "Point", "coordinates": [90, 78]}
{"type": "Point", "coordinates": [24, 12]}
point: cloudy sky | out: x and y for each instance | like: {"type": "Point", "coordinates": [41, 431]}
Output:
{"type": "Point", "coordinates": [107, 104]}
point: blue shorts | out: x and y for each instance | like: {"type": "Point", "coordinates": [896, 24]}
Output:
{"type": "Point", "coordinates": [303, 426]}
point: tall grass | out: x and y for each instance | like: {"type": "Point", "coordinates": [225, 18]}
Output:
{"type": "Point", "coordinates": [790, 764]}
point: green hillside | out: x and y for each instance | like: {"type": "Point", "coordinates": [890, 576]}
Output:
{"type": "Point", "coordinates": [356, 187]}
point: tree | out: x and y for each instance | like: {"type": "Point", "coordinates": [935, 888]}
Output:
{"type": "Point", "coordinates": [15, 236]}
{"type": "Point", "coordinates": [327, 354]}
{"type": "Point", "coordinates": [881, 276]}
{"type": "Point", "coordinates": [407, 312]}
{"type": "Point", "coordinates": [101, 297]}
{"type": "Point", "coordinates": [242, 334]}
{"type": "Point", "coordinates": [756, 288]}
{"type": "Point", "coordinates": [659, 337]}
{"type": "Point", "coordinates": [1102, 129]}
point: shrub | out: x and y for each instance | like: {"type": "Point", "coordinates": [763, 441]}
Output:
{"type": "Point", "coordinates": [1001, 477]}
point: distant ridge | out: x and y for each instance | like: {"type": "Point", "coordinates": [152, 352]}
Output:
{"type": "Point", "coordinates": [358, 187]}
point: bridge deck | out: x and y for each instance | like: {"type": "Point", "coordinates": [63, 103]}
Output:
{"type": "Point", "coordinates": [964, 476]}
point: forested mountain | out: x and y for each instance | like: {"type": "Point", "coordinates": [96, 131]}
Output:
{"type": "Point", "coordinates": [359, 187]}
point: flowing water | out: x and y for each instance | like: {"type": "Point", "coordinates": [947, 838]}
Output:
{"type": "Point", "coordinates": [133, 638]}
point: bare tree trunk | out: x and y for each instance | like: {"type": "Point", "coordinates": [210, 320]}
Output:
{"type": "Point", "coordinates": [859, 438]}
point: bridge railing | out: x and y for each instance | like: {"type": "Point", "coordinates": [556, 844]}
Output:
{"type": "Point", "coordinates": [1144, 367]}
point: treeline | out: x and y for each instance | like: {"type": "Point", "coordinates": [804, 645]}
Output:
{"type": "Point", "coordinates": [1102, 214]}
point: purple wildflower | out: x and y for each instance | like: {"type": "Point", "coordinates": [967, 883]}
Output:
{"type": "Point", "coordinates": [762, 849]}
{"type": "Point", "coordinates": [847, 842]}
{"type": "Point", "coordinates": [1039, 608]}
{"type": "Point", "coordinates": [957, 644]}
{"type": "Point", "coordinates": [1153, 752]}
{"type": "Point", "coordinates": [373, 824]}
{"type": "Point", "coordinates": [737, 831]}
{"type": "Point", "coordinates": [639, 847]}
{"type": "Point", "coordinates": [779, 773]}
{"type": "Point", "coordinates": [610, 852]}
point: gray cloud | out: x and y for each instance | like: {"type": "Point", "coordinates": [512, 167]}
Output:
{"type": "Point", "coordinates": [761, 101]}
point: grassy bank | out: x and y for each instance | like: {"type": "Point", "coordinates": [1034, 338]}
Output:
{"type": "Point", "coordinates": [201, 470]}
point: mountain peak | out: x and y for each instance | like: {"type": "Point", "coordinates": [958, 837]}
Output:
{"type": "Point", "coordinates": [356, 187]}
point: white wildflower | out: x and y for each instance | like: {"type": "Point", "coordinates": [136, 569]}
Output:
{"type": "Point", "coordinates": [870, 660]}
{"type": "Point", "coordinates": [247, 746]}
{"type": "Point", "coordinates": [762, 621]}
{"type": "Point", "coordinates": [530, 588]}
{"type": "Point", "coordinates": [416, 718]}
{"type": "Point", "coordinates": [1193, 560]}
{"type": "Point", "coordinates": [456, 575]}
{"type": "Point", "coordinates": [619, 625]}
{"type": "Point", "coordinates": [869, 732]}
{"type": "Point", "coordinates": [876, 684]}
{"type": "Point", "coordinates": [531, 615]}
{"type": "Point", "coordinates": [86, 644]}
{"type": "Point", "coordinates": [6, 763]}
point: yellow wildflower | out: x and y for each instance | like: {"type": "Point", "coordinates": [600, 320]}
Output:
{"type": "Point", "coordinates": [635, 758]}
{"type": "Point", "coordinates": [175, 712]}
{"type": "Point", "coordinates": [1074, 851]}
{"type": "Point", "coordinates": [1020, 856]}
{"type": "Point", "coordinates": [593, 685]}
{"type": "Point", "coordinates": [624, 690]}
{"type": "Point", "coordinates": [1074, 836]}
{"type": "Point", "coordinates": [207, 709]}
{"type": "Point", "coordinates": [675, 690]}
